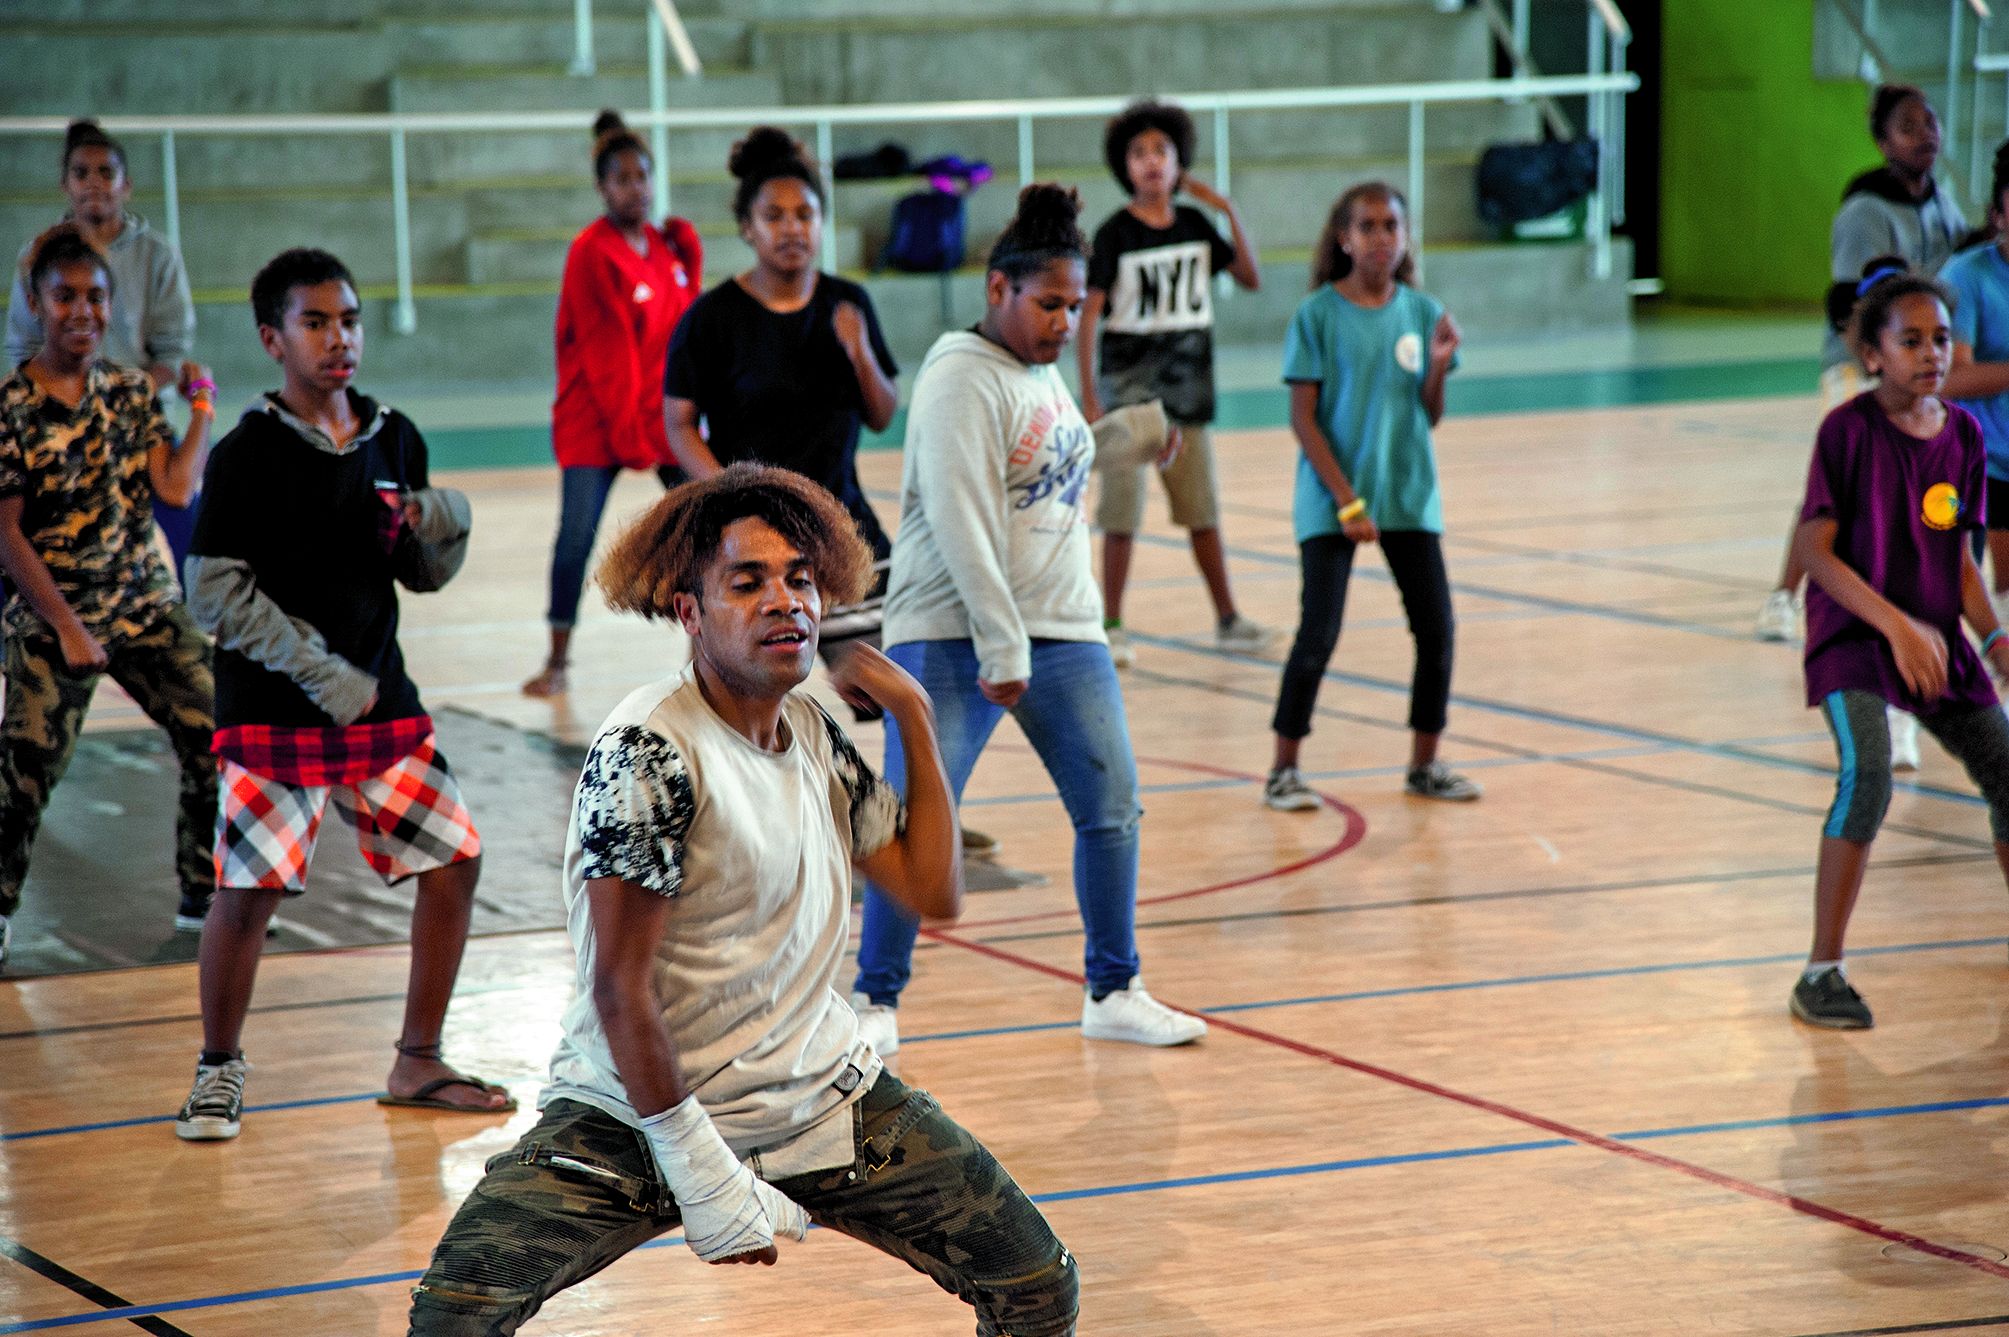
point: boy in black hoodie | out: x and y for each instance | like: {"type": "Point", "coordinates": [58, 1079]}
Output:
{"type": "Point", "coordinates": [312, 507]}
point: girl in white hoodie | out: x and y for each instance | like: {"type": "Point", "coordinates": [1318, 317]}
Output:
{"type": "Point", "coordinates": [992, 605]}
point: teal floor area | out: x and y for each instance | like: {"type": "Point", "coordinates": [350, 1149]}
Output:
{"type": "Point", "coordinates": [1668, 355]}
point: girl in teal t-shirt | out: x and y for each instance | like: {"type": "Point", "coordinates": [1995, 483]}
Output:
{"type": "Point", "coordinates": [1365, 359]}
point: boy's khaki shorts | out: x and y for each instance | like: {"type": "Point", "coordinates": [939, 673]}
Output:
{"type": "Point", "coordinates": [1190, 485]}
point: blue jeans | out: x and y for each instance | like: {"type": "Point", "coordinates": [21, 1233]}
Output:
{"type": "Point", "coordinates": [582, 497]}
{"type": "Point", "coordinates": [1072, 713]}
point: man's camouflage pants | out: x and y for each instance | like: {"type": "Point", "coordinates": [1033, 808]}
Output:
{"type": "Point", "coordinates": [166, 671]}
{"type": "Point", "coordinates": [581, 1189]}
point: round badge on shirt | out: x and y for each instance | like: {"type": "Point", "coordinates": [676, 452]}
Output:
{"type": "Point", "coordinates": [643, 292]}
{"type": "Point", "coordinates": [1942, 506]}
{"type": "Point", "coordinates": [1409, 352]}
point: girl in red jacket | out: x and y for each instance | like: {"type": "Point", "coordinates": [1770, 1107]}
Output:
{"type": "Point", "coordinates": [626, 285]}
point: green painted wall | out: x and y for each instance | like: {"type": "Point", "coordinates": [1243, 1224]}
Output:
{"type": "Point", "coordinates": [1755, 153]}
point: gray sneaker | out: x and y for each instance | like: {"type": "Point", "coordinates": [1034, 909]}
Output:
{"type": "Point", "coordinates": [1440, 782]}
{"type": "Point", "coordinates": [1244, 634]}
{"type": "Point", "coordinates": [1286, 791]}
{"type": "Point", "coordinates": [215, 1107]}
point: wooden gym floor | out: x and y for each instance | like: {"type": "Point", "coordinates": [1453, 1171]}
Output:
{"type": "Point", "coordinates": [1519, 1067]}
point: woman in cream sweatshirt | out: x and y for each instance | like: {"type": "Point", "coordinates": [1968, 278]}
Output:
{"type": "Point", "coordinates": [993, 608]}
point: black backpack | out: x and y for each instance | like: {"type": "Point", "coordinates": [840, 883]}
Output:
{"type": "Point", "coordinates": [1518, 182]}
{"type": "Point", "coordinates": [928, 233]}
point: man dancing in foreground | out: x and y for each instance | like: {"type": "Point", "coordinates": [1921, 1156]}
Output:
{"type": "Point", "coordinates": [710, 1073]}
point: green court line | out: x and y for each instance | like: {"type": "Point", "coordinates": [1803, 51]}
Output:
{"type": "Point", "coordinates": [1269, 407]}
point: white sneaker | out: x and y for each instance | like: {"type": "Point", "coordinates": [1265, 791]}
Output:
{"type": "Point", "coordinates": [878, 1025]}
{"type": "Point", "coordinates": [215, 1106]}
{"type": "Point", "coordinates": [1779, 619]}
{"type": "Point", "coordinates": [1903, 739]}
{"type": "Point", "coordinates": [1241, 633]}
{"type": "Point", "coordinates": [1120, 649]}
{"type": "Point", "coordinates": [1134, 1016]}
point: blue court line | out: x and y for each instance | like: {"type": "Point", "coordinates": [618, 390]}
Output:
{"type": "Point", "coordinates": [1454, 986]}
{"type": "Point", "coordinates": [1542, 715]}
{"type": "Point", "coordinates": [1100, 1191]}
{"type": "Point", "coordinates": [1829, 1116]}
{"type": "Point", "coordinates": [169, 1118]}
{"type": "Point", "coordinates": [1542, 601]}
{"type": "Point", "coordinates": [1611, 972]}
{"type": "Point", "coordinates": [1356, 773]}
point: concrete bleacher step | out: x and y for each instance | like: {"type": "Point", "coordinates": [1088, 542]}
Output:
{"type": "Point", "coordinates": [193, 66]}
{"type": "Point", "coordinates": [538, 255]}
{"type": "Point", "coordinates": [545, 87]}
{"type": "Point", "coordinates": [955, 54]}
{"type": "Point", "coordinates": [1253, 136]}
{"type": "Point", "coordinates": [226, 236]}
{"type": "Point", "coordinates": [470, 160]}
{"type": "Point", "coordinates": [502, 331]}
{"type": "Point", "coordinates": [475, 35]}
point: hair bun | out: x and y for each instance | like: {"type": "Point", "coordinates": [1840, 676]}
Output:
{"type": "Point", "coordinates": [608, 122]}
{"type": "Point", "coordinates": [765, 146]}
{"type": "Point", "coordinates": [83, 130]}
{"type": "Point", "coordinates": [1045, 203]}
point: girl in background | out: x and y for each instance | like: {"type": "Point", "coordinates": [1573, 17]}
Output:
{"type": "Point", "coordinates": [1365, 359]}
{"type": "Point", "coordinates": [151, 324]}
{"type": "Point", "coordinates": [1979, 376]}
{"type": "Point", "coordinates": [627, 284]}
{"type": "Point", "coordinates": [1896, 209]}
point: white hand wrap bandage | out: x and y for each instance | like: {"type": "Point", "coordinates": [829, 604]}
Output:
{"type": "Point", "coordinates": [727, 1209]}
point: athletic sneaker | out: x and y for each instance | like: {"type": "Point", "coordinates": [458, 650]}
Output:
{"type": "Point", "coordinates": [878, 1025]}
{"type": "Point", "coordinates": [1439, 781]}
{"type": "Point", "coordinates": [1286, 791]}
{"type": "Point", "coordinates": [1120, 649]}
{"type": "Point", "coordinates": [194, 909]}
{"type": "Point", "coordinates": [1903, 739]}
{"type": "Point", "coordinates": [1779, 619]}
{"type": "Point", "coordinates": [216, 1106]}
{"type": "Point", "coordinates": [1828, 999]}
{"type": "Point", "coordinates": [1132, 1015]}
{"type": "Point", "coordinates": [1240, 633]}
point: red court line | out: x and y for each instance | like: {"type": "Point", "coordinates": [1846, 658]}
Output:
{"type": "Point", "coordinates": [1356, 831]}
{"type": "Point", "coordinates": [1582, 1136]}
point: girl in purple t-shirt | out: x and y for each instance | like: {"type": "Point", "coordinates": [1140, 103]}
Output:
{"type": "Point", "coordinates": [1894, 498]}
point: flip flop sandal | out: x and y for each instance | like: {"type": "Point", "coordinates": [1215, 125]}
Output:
{"type": "Point", "coordinates": [427, 1098]}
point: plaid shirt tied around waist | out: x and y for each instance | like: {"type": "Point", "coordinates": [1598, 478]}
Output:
{"type": "Point", "coordinates": [322, 756]}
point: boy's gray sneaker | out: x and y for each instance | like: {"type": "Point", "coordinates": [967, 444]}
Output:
{"type": "Point", "coordinates": [215, 1106]}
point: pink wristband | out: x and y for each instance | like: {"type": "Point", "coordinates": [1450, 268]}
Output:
{"type": "Point", "coordinates": [201, 383]}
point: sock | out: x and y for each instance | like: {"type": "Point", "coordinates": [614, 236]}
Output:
{"type": "Point", "coordinates": [216, 1058]}
{"type": "Point", "coordinates": [1817, 968]}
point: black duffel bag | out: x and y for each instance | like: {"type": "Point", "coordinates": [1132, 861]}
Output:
{"type": "Point", "coordinates": [1518, 182]}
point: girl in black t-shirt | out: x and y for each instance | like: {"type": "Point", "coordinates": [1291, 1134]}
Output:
{"type": "Point", "coordinates": [783, 363]}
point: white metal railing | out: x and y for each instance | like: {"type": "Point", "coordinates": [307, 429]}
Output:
{"type": "Point", "coordinates": [1603, 90]}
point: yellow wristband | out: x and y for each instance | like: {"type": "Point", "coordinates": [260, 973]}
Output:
{"type": "Point", "coordinates": [1358, 506]}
